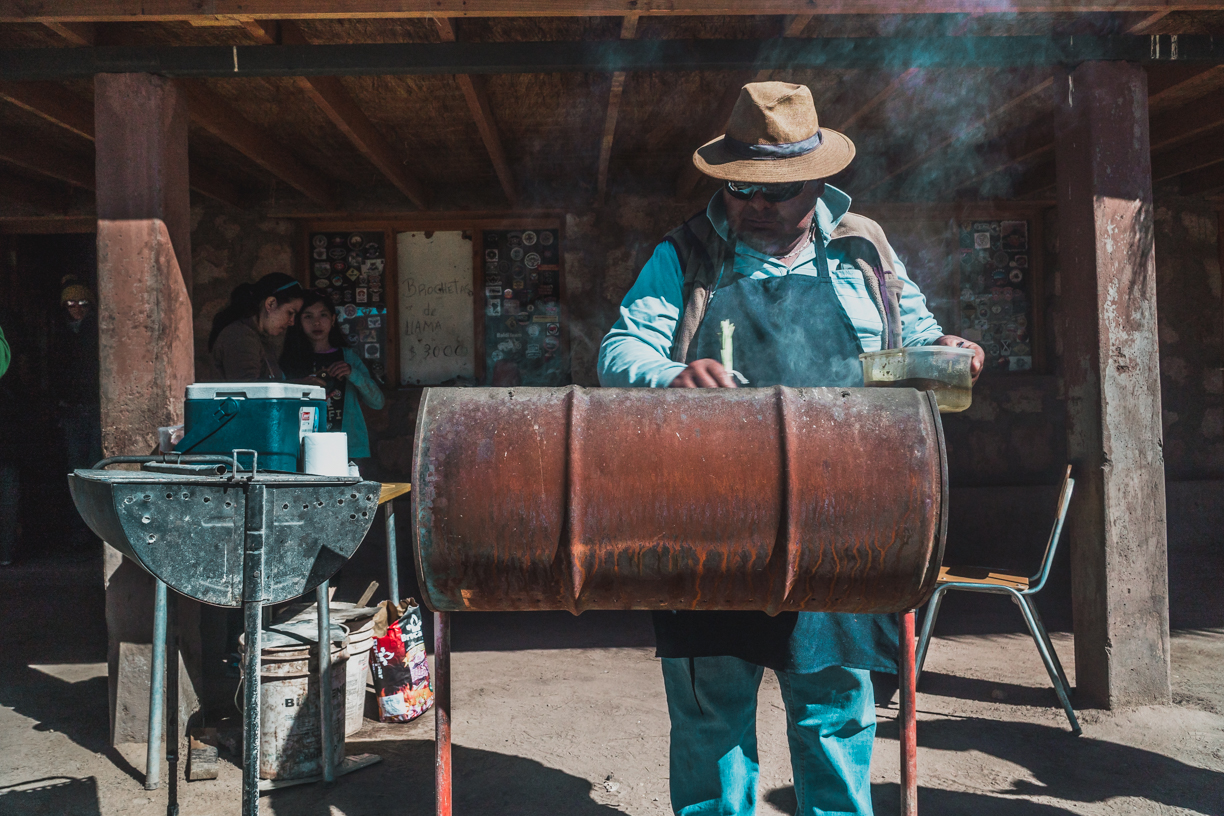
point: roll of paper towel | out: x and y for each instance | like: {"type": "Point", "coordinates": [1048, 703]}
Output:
{"type": "Point", "coordinates": [325, 454]}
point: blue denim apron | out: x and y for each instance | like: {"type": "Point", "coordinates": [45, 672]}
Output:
{"type": "Point", "coordinates": [789, 330]}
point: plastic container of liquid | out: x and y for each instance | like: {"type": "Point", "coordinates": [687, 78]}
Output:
{"type": "Point", "coordinates": [943, 370]}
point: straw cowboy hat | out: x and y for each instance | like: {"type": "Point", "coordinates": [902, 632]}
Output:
{"type": "Point", "coordinates": [774, 136]}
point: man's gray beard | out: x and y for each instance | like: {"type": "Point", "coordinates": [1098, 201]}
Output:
{"type": "Point", "coordinates": [760, 246]}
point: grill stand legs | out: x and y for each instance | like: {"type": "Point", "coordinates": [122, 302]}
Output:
{"type": "Point", "coordinates": [252, 611]}
{"type": "Point", "coordinates": [909, 717]}
{"type": "Point", "coordinates": [442, 714]}
{"type": "Point", "coordinates": [323, 603]}
{"type": "Point", "coordinates": [157, 689]}
{"type": "Point", "coordinates": [392, 556]}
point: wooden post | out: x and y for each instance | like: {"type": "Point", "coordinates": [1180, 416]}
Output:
{"type": "Point", "coordinates": [145, 344]}
{"type": "Point", "coordinates": [1111, 365]}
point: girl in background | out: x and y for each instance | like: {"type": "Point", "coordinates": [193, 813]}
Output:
{"type": "Point", "coordinates": [316, 349]}
{"type": "Point", "coordinates": [242, 340]}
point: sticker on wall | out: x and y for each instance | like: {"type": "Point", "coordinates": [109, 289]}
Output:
{"type": "Point", "coordinates": [338, 252]}
{"type": "Point", "coordinates": [494, 308]}
{"type": "Point", "coordinates": [374, 321]}
{"type": "Point", "coordinates": [350, 312]}
{"type": "Point", "coordinates": [981, 240]}
{"type": "Point", "coordinates": [362, 294]}
{"type": "Point", "coordinates": [516, 254]}
{"type": "Point", "coordinates": [372, 351]}
{"type": "Point", "coordinates": [546, 238]}
{"type": "Point", "coordinates": [529, 238]}
{"type": "Point", "coordinates": [319, 241]}
{"type": "Point", "coordinates": [322, 283]}
{"type": "Point", "coordinates": [355, 240]}
{"type": "Point", "coordinates": [532, 260]}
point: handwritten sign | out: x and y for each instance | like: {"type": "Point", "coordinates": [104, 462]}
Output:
{"type": "Point", "coordinates": [437, 337]}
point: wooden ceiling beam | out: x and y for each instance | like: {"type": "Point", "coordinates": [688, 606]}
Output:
{"type": "Point", "coordinates": [330, 96]}
{"type": "Point", "coordinates": [1148, 22]}
{"type": "Point", "coordinates": [628, 31]}
{"type": "Point", "coordinates": [1036, 179]}
{"type": "Point", "coordinates": [1183, 124]}
{"type": "Point", "coordinates": [1187, 158]}
{"type": "Point", "coordinates": [46, 161]}
{"type": "Point", "coordinates": [41, 195]}
{"type": "Point", "coordinates": [67, 110]}
{"type": "Point", "coordinates": [1205, 181]}
{"type": "Point", "coordinates": [883, 96]}
{"type": "Point", "coordinates": [1023, 146]}
{"type": "Point", "coordinates": [1040, 88]}
{"type": "Point", "coordinates": [53, 103]}
{"type": "Point", "coordinates": [215, 115]}
{"type": "Point", "coordinates": [75, 33]}
{"type": "Point", "coordinates": [23, 11]}
{"type": "Point", "coordinates": [475, 91]}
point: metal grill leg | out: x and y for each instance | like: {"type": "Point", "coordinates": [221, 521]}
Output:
{"type": "Point", "coordinates": [325, 687]}
{"type": "Point", "coordinates": [256, 524]}
{"type": "Point", "coordinates": [172, 705]}
{"type": "Point", "coordinates": [442, 712]}
{"type": "Point", "coordinates": [157, 689]}
{"type": "Point", "coordinates": [392, 555]}
{"type": "Point", "coordinates": [909, 718]}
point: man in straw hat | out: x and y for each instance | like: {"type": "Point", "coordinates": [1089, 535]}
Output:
{"type": "Point", "coordinates": [805, 286]}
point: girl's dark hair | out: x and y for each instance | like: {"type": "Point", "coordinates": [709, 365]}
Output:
{"type": "Point", "coordinates": [295, 358]}
{"type": "Point", "coordinates": [247, 298]}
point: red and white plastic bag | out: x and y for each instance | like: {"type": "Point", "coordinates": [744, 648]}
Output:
{"type": "Point", "coordinates": [398, 662]}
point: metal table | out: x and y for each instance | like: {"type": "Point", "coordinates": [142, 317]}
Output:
{"type": "Point", "coordinates": [233, 539]}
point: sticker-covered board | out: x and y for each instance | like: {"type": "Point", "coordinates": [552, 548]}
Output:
{"type": "Point", "coordinates": [352, 268]}
{"type": "Point", "coordinates": [522, 287]}
{"type": "Point", "coordinates": [996, 291]}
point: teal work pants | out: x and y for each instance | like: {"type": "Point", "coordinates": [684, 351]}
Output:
{"type": "Point", "coordinates": [830, 725]}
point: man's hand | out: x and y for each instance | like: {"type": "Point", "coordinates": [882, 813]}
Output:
{"type": "Point", "coordinates": [979, 354]}
{"type": "Point", "coordinates": [703, 374]}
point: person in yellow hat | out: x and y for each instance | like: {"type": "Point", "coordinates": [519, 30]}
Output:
{"type": "Point", "coordinates": [780, 283]}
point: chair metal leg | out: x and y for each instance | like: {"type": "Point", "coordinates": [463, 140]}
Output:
{"type": "Point", "coordinates": [1053, 668]}
{"type": "Point", "coordinates": [1062, 675]}
{"type": "Point", "coordinates": [928, 627]}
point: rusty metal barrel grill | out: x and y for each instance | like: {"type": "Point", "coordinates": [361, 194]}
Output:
{"type": "Point", "coordinates": [774, 499]}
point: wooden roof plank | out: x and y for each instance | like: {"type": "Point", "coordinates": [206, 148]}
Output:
{"type": "Point", "coordinates": [331, 97]}
{"type": "Point", "coordinates": [75, 33]}
{"type": "Point", "coordinates": [476, 93]}
{"type": "Point", "coordinates": [41, 195]}
{"type": "Point", "coordinates": [186, 10]}
{"type": "Point", "coordinates": [628, 31]}
{"type": "Point", "coordinates": [215, 115]}
{"type": "Point", "coordinates": [69, 111]}
{"type": "Point", "coordinates": [1028, 93]}
{"type": "Point", "coordinates": [46, 161]}
{"type": "Point", "coordinates": [1187, 158]}
{"type": "Point", "coordinates": [879, 99]}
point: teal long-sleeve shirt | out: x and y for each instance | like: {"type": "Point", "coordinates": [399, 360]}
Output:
{"type": "Point", "coordinates": [636, 352]}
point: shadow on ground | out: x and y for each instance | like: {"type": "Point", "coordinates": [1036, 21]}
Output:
{"type": "Point", "coordinates": [1074, 769]}
{"type": "Point", "coordinates": [887, 799]}
{"type": "Point", "coordinates": [987, 691]}
{"type": "Point", "coordinates": [51, 796]}
{"type": "Point", "coordinates": [485, 782]}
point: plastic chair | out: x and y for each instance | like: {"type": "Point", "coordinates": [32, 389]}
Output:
{"type": "Point", "coordinates": [1021, 590]}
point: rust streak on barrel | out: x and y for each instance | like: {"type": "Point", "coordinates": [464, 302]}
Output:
{"type": "Point", "coordinates": [777, 499]}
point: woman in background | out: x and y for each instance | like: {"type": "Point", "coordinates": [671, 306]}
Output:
{"type": "Point", "coordinates": [316, 349]}
{"type": "Point", "coordinates": [242, 340]}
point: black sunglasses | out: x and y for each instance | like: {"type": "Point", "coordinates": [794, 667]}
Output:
{"type": "Point", "coordinates": [773, 193]}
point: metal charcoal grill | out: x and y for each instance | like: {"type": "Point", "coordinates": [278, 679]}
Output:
{"type": "Point", "coordinates": [233, 539]}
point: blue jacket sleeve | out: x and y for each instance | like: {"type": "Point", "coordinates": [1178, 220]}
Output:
{"type": "Point", "coordinates": [918, 326]}
{"type": "Point", "coordinates": [636, 352]}
{"type": "Point", "coordinates": [360, 379]}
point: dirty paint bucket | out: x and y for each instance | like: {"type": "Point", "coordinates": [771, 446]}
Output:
{"type": "Point", "coordinates": [360, 623]}
{"type": "Point", "coordinates": [289, 734]}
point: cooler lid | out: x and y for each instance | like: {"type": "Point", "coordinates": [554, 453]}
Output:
{"type": "Point", "coordinates": [256, 390]}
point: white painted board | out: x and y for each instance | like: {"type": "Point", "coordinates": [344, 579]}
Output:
{"type": "Point", "coordinates": [437, 336]}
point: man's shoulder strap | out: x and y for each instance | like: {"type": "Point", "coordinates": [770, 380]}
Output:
{"type": "Point", "coordinates": [700, 251]}
{"type": "Point", "coordinates": [861, 238]}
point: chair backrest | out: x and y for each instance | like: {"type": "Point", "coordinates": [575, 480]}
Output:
{"type": "Point", "coordinates": [1064, 501]}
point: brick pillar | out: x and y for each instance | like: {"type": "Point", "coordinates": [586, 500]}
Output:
{"type": "Point", "coordinates": [1116, 526]}
{"type": "Point", "coordinates": [145, 345]}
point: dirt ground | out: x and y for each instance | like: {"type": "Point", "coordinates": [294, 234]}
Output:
{"type": "Point", "coordinates": [555, 715]}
